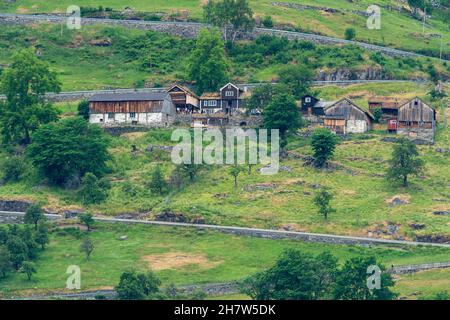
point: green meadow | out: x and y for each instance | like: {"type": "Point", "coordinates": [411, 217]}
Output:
{"type": "Point", "coordinates": [179, 256]}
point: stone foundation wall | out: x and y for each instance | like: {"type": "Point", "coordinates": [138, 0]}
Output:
{"type": "Point", "coordinates": [419, 136]}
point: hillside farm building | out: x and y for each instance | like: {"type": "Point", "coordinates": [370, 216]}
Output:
{"type": "Point", "coordinates": [184, 99]}
{"type": "Point", "coordinates": [152, 109]}
{"type": "Point", "coordinates": [417, 120]}
{"type": "Point", "coordinates": [229, 99]}
{"type": "Point", "coordinates": [388, 106]}
{"type": "Point", "coordinates": [308, 104]}
{"type": "Point", "coordinates": [345, 117]}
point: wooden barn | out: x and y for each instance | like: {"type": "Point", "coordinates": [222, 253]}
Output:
{"type": "Point", "coordinates": [388, 106]}
{"type": "Point", "coordinates": [184, 99]}
{"type": "Point", "coordinates": [417, 120]}
{"type": "Point", "coordinates": [344, 116]}
{"type": "Point", "coordinates": [152, 109]}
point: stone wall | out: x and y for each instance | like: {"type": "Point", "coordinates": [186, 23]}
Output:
{"type": "Point", "coordinates": [17, 217]}
{"type": "Point", "coordinates": [14, 205]}
{"type": "Point", "coordinates": [418, 135]}
{"type": "Point", "coordinates": [418, 267]}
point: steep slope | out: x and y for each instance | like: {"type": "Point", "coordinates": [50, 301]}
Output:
{"type": "Point", "coordinates": [399, 29]}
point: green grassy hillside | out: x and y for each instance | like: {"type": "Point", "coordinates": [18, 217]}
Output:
{"type": "Point", "coordinates": [179, 256]}
{"type": "Point", "coordinates": [138, 58]}
{"type": "Point", "coordinates": [283, 200]}
{"type": "Point", "coordinates": [399, 30]}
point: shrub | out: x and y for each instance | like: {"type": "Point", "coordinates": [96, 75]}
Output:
{"type": "Point", "coordinates": [14, 169]}
{"type": "Point", "coordinates": [350, 34]}
{"type": "Point", "coordinates": [83, 109]}
{"type": "Point", "coordinates": [92, 190]}
{"type": "Point", "coordinates": [267, 22]}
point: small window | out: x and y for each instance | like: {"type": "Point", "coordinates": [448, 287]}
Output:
{"type": "Point", "coordinates": [308, 99]}
{"type": "Point", "coordinates": [133, 115]}
{"type": "Point", "coordinates": [416, 103]}
{"type": "Point", "coordinates": [229, 93]}
{"type": "Point", "coordinates": [110, 115]}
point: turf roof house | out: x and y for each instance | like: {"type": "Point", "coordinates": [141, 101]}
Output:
{"type": "Point", "coordinates": [150, 109]}
{"type": "Point", "coordinates": [344, 116]}
{"type": "Point", "coordinates": [228, 100]}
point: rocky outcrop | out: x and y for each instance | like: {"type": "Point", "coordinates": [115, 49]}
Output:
{"type": "Point", "coordinates": [14, 205]}
{"type": "Point", "coordinates": [433, 238]}
{"type": "Point", "coordinates": [351, 74]}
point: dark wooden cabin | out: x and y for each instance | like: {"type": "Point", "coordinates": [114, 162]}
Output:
{"type": "Point", "coordinates": [308, 103]}
{"type": "Point", "coordinates": [229, 99]}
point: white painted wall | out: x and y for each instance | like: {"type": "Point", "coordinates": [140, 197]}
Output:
{"type": "Point", "coordinates": [96, 118]}
{"type": "Point", "coordinates": [153, 119]}
{"type": "Point", "coordinates": [356, 126]}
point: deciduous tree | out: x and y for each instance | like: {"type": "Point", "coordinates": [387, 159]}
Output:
{"type": "Point", "coordinates": [295, 276]}
{"type": "Point", "coordinates": [235, 170]}
{"type": "Point", "coordinates": [323, 143]}
{"type": "Point", "coordinates": [158, 184]}
{"type": "Point", "coordinates": [322, 201]}
{"type": "Point", "coordinates": [5, 262]}
{"type": "Point", "coordinates": [83, 109]}
{"type": "Point", "coordinates": [25, 83]}
{"type": "Point", "coordinates": [283, 114]}
{"type": "Point", "coordinates": [33, 215]}
{"type": "Point", "coordinates": [352, 281]}
{"type": "Point", "coordinates": [92, 189]}
{"type": "Point", "coordinates": [87, 247]}
{"type": "Point", "coordinates": [68, 149]}
{"type": "Point", "coordinates": [298, 78]}
{"type": "Point", "coordinates": [42, 237]}
{"type": "Point", "coordinates": [208, 65]}
{"type": "Point", "coordinates": [405, 162]}
{"type": "Point", "coordinates": [235, 15]}
{"type": "Point", "coordinates": [137, 286]}
{"type": "Point", "coordinates": [29, 268]}
{"type": "Point", "coordinates": [87, 219]}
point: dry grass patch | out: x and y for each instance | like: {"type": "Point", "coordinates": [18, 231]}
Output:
{"type": "Point", "coordinates": [133, 135]}
{"type": "Point", "coordinates": [178, 260]}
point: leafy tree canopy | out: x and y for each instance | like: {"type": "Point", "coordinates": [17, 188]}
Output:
{"type": "Point", "coordinates": [25, 83]}
{"type": "Point", "coordinates": [229, 14]}
{"type": "Point", "coordinates": [68, 149]}
{"type": "Point", "coordinates": [405, 162]}
{"type": "Point", "coordinates": [208, 65]}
